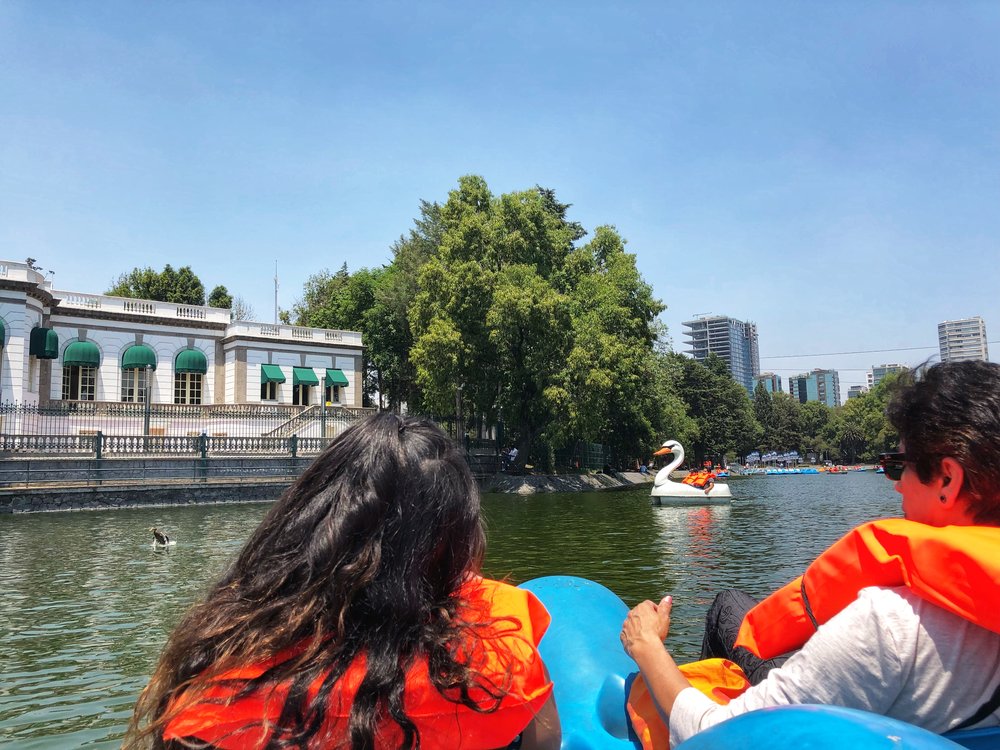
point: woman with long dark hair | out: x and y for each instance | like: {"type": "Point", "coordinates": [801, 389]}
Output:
{"type": "Point", "coordinates": [356, 617]}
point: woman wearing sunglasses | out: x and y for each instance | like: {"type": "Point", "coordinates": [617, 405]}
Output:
{"type": "Point", "coordinates": [900, 617]}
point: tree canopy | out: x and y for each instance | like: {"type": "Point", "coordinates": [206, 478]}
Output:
{"type": "Point", "coordinates": [181, 286]}
{"type": "Point", "coordinates": [501, 310]}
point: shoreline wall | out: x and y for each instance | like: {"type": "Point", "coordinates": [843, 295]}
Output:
{"type": "Point", "coordinates": [52, 485]}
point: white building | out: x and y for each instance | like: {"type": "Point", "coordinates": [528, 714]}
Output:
{"type": "Point", "coordinates": [963, 340]}
{"type": "Point", "coordinates": [62, 346]}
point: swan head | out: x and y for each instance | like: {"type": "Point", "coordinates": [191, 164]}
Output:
{"type": "Point", "coordinates": [671, 446]}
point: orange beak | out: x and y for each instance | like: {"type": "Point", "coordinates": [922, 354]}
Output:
{"type": "Point", "coordinates": [663, 452]}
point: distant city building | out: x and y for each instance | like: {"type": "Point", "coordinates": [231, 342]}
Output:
{"type": "Point", "coordinates": [772, 382]}
{"type": "Point", "coordinates": [963, 340]}
{"type": "Point", "coordinates": [735, 341]}
{"type": "Point", "coordinates": [818, 385]}
{"type": "Point", "coordinates": [857, 390]}
{"type": "Point", "coordinates": [878, 372]}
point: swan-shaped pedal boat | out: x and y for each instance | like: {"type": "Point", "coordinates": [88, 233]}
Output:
{"type": "Point", "coordinates": [668, 492]}
{"type": "Point", "coordinates": [592, 676]}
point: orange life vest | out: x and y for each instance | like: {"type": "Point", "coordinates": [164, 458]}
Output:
{"type": "Point", "coordinates": [954, 567]}
{"type": "Point", "coordinates": [719, 679]}
{"type": "Point", "coordinates": [698, 479]}
{"type": "Point", "coordinates": [217, 716]}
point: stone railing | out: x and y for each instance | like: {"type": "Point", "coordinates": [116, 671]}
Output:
{"type": "Point", "coordinates": [150, 308]}
{"type": "Point", "coordinates": [296, 333]}
{"type": "Point", "coordinates": [14, 271]}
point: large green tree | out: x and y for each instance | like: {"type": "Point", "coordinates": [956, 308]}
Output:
{"type": "Point", "coordinates": [552, 338]}
{"type": "Point", "coordinates": [220, 297]}
{"type": "Point", "coordinates": [181, 286]}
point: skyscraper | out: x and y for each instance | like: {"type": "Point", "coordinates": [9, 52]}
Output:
{"type": "Point", "coordinates": [733, 340]}
{"type": "Point", "coordinates": [878, 372]}
{"type": "Point", "coordinates": [963, 340]}
{"type": "Point", "coordinates": [818, 385]}
{"type": "Point", "coordinates": [771, 382]}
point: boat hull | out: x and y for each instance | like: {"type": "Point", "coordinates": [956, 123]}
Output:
{"type": "Point", "coordinates": [692, 501]}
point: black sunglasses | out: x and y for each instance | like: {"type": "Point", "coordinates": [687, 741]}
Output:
{"type": "Point", "coordinates": [893, 464]}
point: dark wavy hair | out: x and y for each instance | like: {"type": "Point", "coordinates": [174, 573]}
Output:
{"type": "Point", "coordinates": [362, 555]}
{"type": "Point", "coordinates": [953, 409]}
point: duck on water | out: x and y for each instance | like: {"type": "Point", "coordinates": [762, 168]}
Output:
{"type": "Point", "coordinates": [160, 538]}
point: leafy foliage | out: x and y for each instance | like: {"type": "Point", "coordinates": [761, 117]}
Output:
{"type": "Point", "coordinates": [181, 286]}
{"type": "Point", "coordinates": [494, 308]}
{"type": "Point", "coordinates": [220, 297]}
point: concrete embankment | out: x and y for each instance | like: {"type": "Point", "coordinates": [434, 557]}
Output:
{"type": "Point", "coordinates": [534, 483]}
{"type": "Point", "coordinates": [39, 486]}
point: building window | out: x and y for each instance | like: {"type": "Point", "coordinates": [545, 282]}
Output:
{"type": "Point", "coordinates": [333, 394]}
{"type": "Point", "coordinates": [269, 391]}
{"type": "Point", "coordinates": [187, 388]}
{"type": "Point", "coordinates": [300, 395]}
{"type": "Point", "coordinates": [79, 383]}
{"type": "Point", "coordinates": [134, 386]}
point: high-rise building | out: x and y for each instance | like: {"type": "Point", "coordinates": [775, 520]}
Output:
{"type": "Point", "coordinates": [772, 382]}
{"type": "Point", "coordinates": [963, 340]}
{"type": "Point", "coordinates": [856, 390]}
{"type": "Point", "coordinates": [878, 372]}
{"type": "Point", "coordinates": [733, 340]}
{"type": "Point", "coordinates": [818, 385]}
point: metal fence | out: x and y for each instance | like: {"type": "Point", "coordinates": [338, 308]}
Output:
{"type": "Point", "coordinates": [172, 420]}
{"type": "Point", "coordinates": [108, 428]}
{"type": "Point", "coordinates": [584, 455]}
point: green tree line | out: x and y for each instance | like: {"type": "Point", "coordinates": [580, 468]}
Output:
{"type": "Point", "coordinates": [502, 313]}
{"type": "Point", "coordinates": [501, 310]}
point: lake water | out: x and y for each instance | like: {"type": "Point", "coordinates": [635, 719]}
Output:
{"type": "Point", "coordinates": [86, 602]}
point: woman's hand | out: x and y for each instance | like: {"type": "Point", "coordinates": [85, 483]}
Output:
{"type": "Point", "coordinates": [646, 626]}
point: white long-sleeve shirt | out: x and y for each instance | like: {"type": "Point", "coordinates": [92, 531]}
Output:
{"type": "Point", "coordinates": [888, 652]}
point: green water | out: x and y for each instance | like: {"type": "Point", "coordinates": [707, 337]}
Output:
{"type": "Point", "coordinates": [86, 602]}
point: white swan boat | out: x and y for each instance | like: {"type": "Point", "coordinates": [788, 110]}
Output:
{"type": "Point", "coordinates": [667, 492]}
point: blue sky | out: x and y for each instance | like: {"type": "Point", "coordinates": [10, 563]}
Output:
{"type": "Point", "coordinates": [828, 170]}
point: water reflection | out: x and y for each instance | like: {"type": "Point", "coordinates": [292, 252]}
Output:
{"type": "Point", "coordinates": [87, 601]}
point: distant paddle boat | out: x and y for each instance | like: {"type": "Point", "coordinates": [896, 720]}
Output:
{"type": "Point", "coordinates": [668, 492]}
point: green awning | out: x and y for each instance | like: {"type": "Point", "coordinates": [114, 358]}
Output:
{"type": "Point", "coordinates": [44, 343]}
{"type": "Point", "coordinates": [3, 333]}
{"type": "Point", "coordinates": [336, 377]}
{"type": "Point", "coordinates": [271, 374]}
{"type": "Point", "coordinates": [139, 357]}
{"type": "Point", "coordinates": [82, 354]}
{"type": "Point", "coordinates": [304, 376]}
{"type": "Point", "coordinates": [191, 360]}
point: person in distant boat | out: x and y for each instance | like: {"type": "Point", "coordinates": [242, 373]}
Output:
{"type": "Point", "coordinates": [900, 617]}
{"type": "Point", "coordinates": [702, 479]}
{"type": "Point", "coordinates": [159, 537]}
{"type": "Point", "coordinates": [356, 616]}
